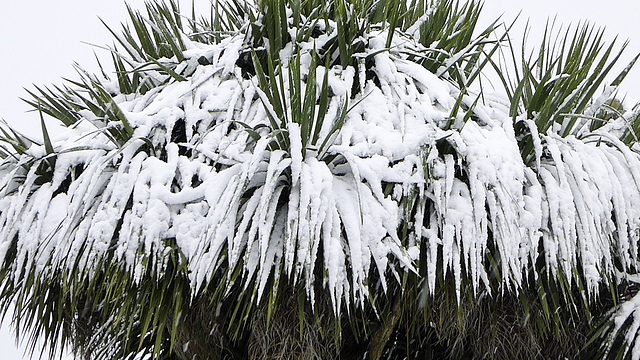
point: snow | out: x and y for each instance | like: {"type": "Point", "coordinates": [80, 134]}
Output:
{"type": "Point", "coordinates": [272, 211]}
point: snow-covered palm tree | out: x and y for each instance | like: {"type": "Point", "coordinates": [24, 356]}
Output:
{"type": "Point", "coordinates": [329, 179]}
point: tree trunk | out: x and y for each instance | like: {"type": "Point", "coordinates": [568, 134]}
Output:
{"type": "Point", "coordinates": [381, 337]}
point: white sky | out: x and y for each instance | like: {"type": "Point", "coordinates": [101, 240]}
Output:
{"type": "Point", "coordinates": [41, 39]}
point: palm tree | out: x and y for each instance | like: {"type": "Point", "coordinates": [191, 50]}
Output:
{"type": "Point", "coordinates": [329, 179]}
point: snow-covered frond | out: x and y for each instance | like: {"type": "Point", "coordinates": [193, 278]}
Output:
{"type": "Point", "coordinates": [190, 172]}
{"type": "Point", "coordinates": [567, 202]}
{"type": "Point", "coordinates": [621, 328]}
{"type": "Point", "coordinates": [338, 149]}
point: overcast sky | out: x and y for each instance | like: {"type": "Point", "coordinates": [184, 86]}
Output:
{"type": "Point", "coordinates": [41, 39]}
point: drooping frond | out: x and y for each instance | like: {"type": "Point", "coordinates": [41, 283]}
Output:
{"type": "Point", "coordinates": [334, 148]}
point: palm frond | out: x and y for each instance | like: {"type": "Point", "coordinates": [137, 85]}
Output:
{"type": "Point", "coordinates": [337, 151]}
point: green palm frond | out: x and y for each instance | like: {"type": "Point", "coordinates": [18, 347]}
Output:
{"type": "Point", "coordinates": [327, 171]}
{"type": "Point", "coordinates": [555, 86]}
